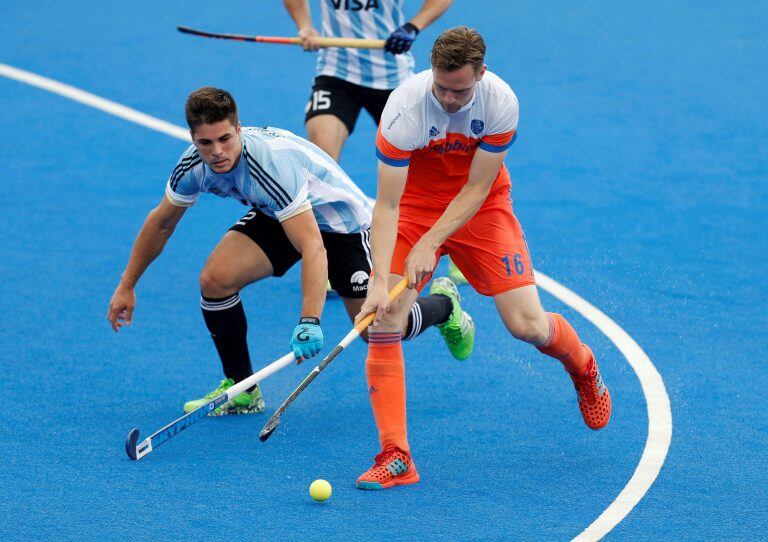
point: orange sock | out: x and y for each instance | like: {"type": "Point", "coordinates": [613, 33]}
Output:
{"type": "Point", "coordinates": [385, 369]}
{"type": "Point", "coordinates": [564, 344]}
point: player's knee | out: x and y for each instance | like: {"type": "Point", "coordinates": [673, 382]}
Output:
{"type": "Point", "coordinates": [529, 327]}
{"type": "Point", "coordinates": [215, 282]}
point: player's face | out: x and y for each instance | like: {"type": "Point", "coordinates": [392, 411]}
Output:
{"type": "Point", "coordinates": [455, 89]}
{"type": "Point", "coordinates": [219, 145]}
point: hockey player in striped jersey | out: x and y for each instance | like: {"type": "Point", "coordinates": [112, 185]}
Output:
{"type": "Point", "coordinates": [351, 79]}
{"type": "Point", "coordinates": [303, 206]}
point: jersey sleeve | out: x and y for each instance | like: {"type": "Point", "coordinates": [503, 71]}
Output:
{"type": "Point", "coordinates": [397, 135]}
{"type": "Point", "coordinates": [285, 184]}
{"type": "Point", "coordinates": [183, 186]}
{"type": "Point", "coordinates": [502, 120]}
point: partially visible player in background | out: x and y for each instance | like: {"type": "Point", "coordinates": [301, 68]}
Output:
{"type": "Point", "coordinates": [303, 207]}
{"type": "Point", "coordinates": [349, 80]}
{"type": "Point", "coordinates": [443, 188]}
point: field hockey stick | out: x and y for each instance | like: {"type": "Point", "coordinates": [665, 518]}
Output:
{"type": "Point", "coordinates": [136, 452]}
{"type": "Point", "coordinates": [274, 421]}
{"type": "Point", "coordinates": [355, 43]}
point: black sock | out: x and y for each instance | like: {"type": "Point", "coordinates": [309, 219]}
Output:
{"type": "Point", "coordinates": [427, 311]}
{"type": "Point", "coordinates": [225, 319]}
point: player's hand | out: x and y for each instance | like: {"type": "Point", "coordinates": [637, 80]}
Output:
{"type": "Point", "coordinates": [420, 263]}
{"type": "Point", "coordinates": [376, 301]}
{"type": "Point", "coordinates": [307, 35]}
{"type": "Point", "coordinates": [401, 39]}
{"type": "Point", "coordinates": [307, 338]}
{"type": "Point", "coordinates": [120, 312]}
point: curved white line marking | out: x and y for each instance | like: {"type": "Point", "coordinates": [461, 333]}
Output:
{"type": "Point", "coordinates": [657, 400]}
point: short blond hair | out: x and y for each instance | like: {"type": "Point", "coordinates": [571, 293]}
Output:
{"type": "Point", "coordinates": [457, 47]}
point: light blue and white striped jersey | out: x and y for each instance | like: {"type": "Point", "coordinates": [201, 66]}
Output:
{"type": "Point", "coordinates": [281, 175]}
{"type": "Point", "coordinates": [370, 19]}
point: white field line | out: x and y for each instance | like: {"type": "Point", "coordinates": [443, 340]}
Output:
{"type": "Point", "coordinates": [92, 100]}
{"type": "Point", "coordinates": [657, 400]}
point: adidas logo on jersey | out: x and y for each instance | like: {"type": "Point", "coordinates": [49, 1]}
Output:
{"type": "Point", "coordinates": [359, 281]}
{"type": "Point", "coordinates": [433, 131]}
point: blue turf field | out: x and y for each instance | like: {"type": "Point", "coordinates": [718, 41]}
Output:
{"type": "Point", "coordinates": [640, 176]}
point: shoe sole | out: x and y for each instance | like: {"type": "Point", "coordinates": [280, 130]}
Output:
{"type": "Point", "coordinates": [411, 478]}
{"type": "Point", "coordinates": [445, 289]}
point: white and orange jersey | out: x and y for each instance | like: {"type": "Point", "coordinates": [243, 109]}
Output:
{"type": "Point", "coordinates": [437, 146]}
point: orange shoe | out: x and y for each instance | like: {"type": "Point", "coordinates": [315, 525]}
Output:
{"type": "Point", "coordinates": [594, 398]}
{"type": "Point", "coordinates": [392, 467]}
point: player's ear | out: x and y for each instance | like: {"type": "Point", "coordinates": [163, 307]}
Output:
{"type": "Point", "coordinates": [480, 74]}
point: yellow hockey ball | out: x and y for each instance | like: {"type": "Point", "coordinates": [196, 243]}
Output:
{"type": "Point", "coordinates": [320, 490]}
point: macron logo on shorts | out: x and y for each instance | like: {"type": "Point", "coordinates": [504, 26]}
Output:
{"type": "Point", "coordinates": [359, 281]}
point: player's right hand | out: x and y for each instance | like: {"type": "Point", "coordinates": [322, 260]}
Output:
{"type": "Point", "coordinates": [120, 312]}
{"type": "Point", "coordinates": [307, 36]}
{"type": "Point", "coordinates": [376, 301]}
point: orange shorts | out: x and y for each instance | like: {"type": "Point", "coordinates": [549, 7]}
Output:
{"type": "Point", "coordinates": [490, 249]}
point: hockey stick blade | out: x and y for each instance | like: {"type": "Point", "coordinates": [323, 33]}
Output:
{"type": "Point", "coordinates": [136, 450]}
{"type": "Point", "coordinates": [130, 444]}
{"type": "Point", "coordinates": [269, 428]}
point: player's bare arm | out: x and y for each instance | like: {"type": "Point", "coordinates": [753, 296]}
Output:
{"type": "Point", "coordinates": [482, 173]}
{"type": "Point", "coordinates": [304, 235]}
{"type": "Point", "coordinates": [157, 229]}
{"type": "Point", "coordinates": [302, 16]}
{"type": "Point", "coordinates": [430, 11]}
{"type": "Point", "coordinates": [383, 236]}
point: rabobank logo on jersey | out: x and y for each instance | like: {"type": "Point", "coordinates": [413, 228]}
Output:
{"type": "Point", "coordinates": [477, 126]}
{"type": "Point", "coordinates": [359, 281]}
{"type": "Point", "coordinates": [451, 146]}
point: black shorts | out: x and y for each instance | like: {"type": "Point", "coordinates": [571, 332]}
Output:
{"type": "Point", "coordinates": [334, 96]}
{"type": "Point", "coordinates": [349, 254]}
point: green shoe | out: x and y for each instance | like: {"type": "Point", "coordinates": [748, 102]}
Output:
{"type": "Point", "coordinates": [459, 330]}
{"type": "Point", "coordinates": [456, 275]}
{"type": "Point", "coordinates": [248, 402]}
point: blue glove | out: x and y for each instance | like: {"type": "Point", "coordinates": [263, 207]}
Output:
{"type": "Point", "coordinates": [401, 39]}
{"type": "Point", "coordinates": [307, 338]}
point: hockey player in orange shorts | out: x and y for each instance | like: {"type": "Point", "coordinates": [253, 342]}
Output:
{"type": "Point", "coordinates": [443, 188]}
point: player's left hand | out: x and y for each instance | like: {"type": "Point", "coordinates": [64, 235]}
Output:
{"type": "Point", "coordinates": [307, 338]}
{"type": "Point", "coordinates": [401, 39]}
{"type": "Point", "coordinates": [420, 263]}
